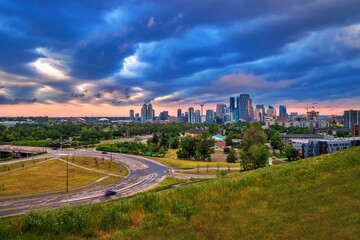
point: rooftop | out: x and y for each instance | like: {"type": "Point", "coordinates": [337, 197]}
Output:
{"type": "Point", "coordinates": [301, 136]}
{"type": "Point", "coordinates": [194, 131]}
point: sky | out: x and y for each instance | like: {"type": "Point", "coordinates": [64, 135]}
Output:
{"type": "Point", "coordinates": [103, 58]}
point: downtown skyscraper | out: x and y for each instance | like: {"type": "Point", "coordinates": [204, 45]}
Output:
{"type": "Point", "coordinates": [282, 111]}
{"type": "Point", "coordinates": [191, 115]}
{"type": "Point", "coordinates": [147, 113]}
{"type": "Point", "coordinates": [245, 108]}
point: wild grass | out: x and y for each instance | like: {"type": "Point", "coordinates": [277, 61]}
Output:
{"type": "Point", "coordinates": [99, 164]}
{"type": "Point", "coordinates": [44, 177]}
{"type": "Point", "coordinates": [205, 172]}
{"type": "Point", "coordinates": [20, 165]}
{"type": "Point", "coordinates": [115, 140]}
{"type": "Point", "coordinates": [167, 183]}
{"type": "Point", "coordinates": [316, 198]}
{"type": "Point", "coordinates": [180, 163]}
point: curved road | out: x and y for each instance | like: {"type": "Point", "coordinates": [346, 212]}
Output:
{"type": "Point", "coordinates": [144, 174]}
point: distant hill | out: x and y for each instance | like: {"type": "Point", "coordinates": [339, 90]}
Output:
{"type": "Point", "coordinates": [315, 198]}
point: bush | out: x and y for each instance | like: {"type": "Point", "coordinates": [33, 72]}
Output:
{"type": "Point", "coordinates": [231, 157]}
{"type": "Point", "coordinates": [222, 173]}
{"type": "Point", "coordinates": [33, 143]}
{"type": "Point", "coordinates": [183, 209]}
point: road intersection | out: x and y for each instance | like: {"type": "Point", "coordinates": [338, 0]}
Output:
{"type": "Point", "coordinates": [144, 173]}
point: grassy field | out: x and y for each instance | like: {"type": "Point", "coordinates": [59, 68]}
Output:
{"type": "Point", "coordinates": [99, 164]}
{"type": "Point", "coordinates": [44, 177]}
{"type": "Point", "coordinates": [170, 182]}
{"type": "Point", "coordinates": [115, 140]}
{"type": "Point", "coordinates": [179, 163]}
{"type": "Point", "coordinates": [20, 165]}
{"type": "Point", "coordinates": [316, 198]}
{"type": "Point", "coordinates": [167, 183]}
{"type": "Point", "coordinates": [204, 172]}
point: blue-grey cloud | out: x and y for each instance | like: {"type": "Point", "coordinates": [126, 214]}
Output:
{"type": "Point", "coordinates": [178, 47]}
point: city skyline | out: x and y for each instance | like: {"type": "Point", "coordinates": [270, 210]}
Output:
{"type": "Point", "coordinates": [104, 58]}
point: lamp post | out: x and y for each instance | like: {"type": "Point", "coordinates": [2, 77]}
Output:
{"type": "Point", "coordinates": [169, 159]}
{"type": "Point", "coordinates": [120, 162]}
{"type": "Point", "coordinates": [67, 173]}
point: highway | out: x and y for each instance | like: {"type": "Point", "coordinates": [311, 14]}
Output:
{"type": "Point", "coordinates": [144, 174]}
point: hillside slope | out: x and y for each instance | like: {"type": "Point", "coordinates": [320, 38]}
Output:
{"type": "Point", "coordinates": [316, 198]}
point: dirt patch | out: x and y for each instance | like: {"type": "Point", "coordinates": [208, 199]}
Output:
{"type": "Point", "coordinates": [218, 157]}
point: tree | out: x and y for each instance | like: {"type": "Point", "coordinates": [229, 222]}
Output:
{"type": "Point", "coordinates": [53, 134]}
{"type": "Point", "coordinates": [164, 140]}
{"type": "Point", "coordinates": [88, 134]}
{"type": "Point", "coordinates": [174, 143]}
{"type": "Point", "coordinates": [342, 133]}
{"type": "Point", "coordinates": [213, 129]}
{"type": "Point", "coordinates": [155, 139]}
{"type": "Point", "coordinates": [291, 153]}
{"type": "Point", "coordinates": [276, 142]}
{"type": "Point", "coordinates": [231, 157]}
{"type": "Point", "coordinates": [204, 148]}
{"type": "Point", "coordinates": [199, 148]}
{"type": "Point", "coordinates": [229, 138]}
{"type": "Point", "coordinates": [253, 135]}
{"type": "Point", "coordinates": [137, 139]}
{"type": "Point", "coordinates": [255, 157]}
{"type": "Point", "coordinates": [183, 154]}
{"type": "Point", "coordinates": [187, 150]}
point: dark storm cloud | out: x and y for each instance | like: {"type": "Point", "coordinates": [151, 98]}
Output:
{"type": "Point", "coordinates": [182, 46]}
{"type": "Point", "coordinates": [4, 100]}
{"type": "Point", "coordinates": [77, 95]}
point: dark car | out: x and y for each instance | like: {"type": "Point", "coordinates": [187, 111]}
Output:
{"type": "Point", "coordinates": [104, 152]}
{"type": "Point", "coordinates": [109, 193]}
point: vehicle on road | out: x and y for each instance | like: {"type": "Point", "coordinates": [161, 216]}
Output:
{"type": "Point", "coordinates": [103, 152]}
{"type": "Point", "coordinates": [109, 193]}
{"type": "Point", "coordinates": [54, 148]}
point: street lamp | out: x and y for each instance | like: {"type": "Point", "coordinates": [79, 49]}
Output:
{"type": "Point", "coordinates": [67, 173]}
{"type": "Point", "coordinates": [169, 159]}
{"type": "Point", "coordinates": [120, 162]}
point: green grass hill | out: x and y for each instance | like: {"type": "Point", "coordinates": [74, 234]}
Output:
{"type": "Point", "coordinates": [315, 198]}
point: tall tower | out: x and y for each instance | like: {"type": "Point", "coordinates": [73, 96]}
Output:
{"type": "Point", "coordinates": [232, 104]}
{"type": "Point", "coordinates": [220, 109]}
{"type": "Point", "coordinates": [144, 111]}
{"type": "Point", "coordinates": [179, 112]}
{"type": "Point", "coordinates": [132, 117]}
{"type": "Point", "coordinates": [244, 108]}
{"type": "Point", "coordinates": [351, 117]}
{"type": "Point", "coordinates": [282, 111]}
{"type": "Point", "coordinates": [191, 115]}
{"type": "Point", "coordinates": [150, 112]}
{"type": "Point", "coordinates": [271, 112]}
{"type": "Point", "coordinates": [209, 116]}
{"type": "Point", "coordinates": [202, 105]}
{"type": "Point", "coordinates": [260, 113]}
{"type": "Point", "coordinates": [251, 110]}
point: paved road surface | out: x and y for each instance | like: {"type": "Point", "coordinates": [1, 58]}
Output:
{"type": "Point", "coordinates": [144, 174]}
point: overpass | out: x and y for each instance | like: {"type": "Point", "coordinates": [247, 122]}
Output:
{"type": "Point", "coordinates": [19, 152]}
